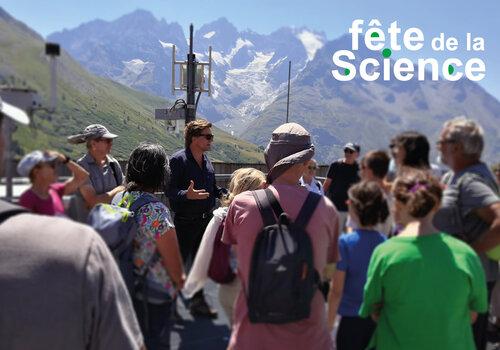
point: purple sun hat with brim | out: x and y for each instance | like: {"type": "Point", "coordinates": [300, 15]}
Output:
{"type": "Point", "coordinates": [290, 144]}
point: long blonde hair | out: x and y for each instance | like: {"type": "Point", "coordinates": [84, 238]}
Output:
{"type": "Point", "coordinates": [244, 179]}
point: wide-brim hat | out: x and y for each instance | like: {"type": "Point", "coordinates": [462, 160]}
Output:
{"type": "Point", "coordinates": [290, 144]}
{"type": "Point", "coordinates": [91, 132]}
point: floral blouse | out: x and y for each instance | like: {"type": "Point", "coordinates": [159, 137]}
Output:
{"type": "Point", "coordinates": [154, 220]}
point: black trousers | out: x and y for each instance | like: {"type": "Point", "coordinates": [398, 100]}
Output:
{"type": "Point", "coordinates": [189, 234]}
{"type": "Point", "coordinates": [479, 328]}
{"type": "Point", "coordinates": [157, 333]}
{"type": "Point", "coordinates": [354, 333]}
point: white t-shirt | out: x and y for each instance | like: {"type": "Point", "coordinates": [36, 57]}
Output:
{"type": "Point", "coordinates": [314, 186]}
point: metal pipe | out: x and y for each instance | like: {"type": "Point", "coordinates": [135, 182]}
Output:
{"type": "Point", "coordinates": [7, 134]}
{"type": "Point", "coordinates": [210, 71]}
{"type": "Point", "coordinates": [191, 74]}
{"type": "Point", "coordinates": [288, 94]}
{"type": "Point", "coordinates": [173, 69]}
{"type": "Point", "coordinates": [53, 83]}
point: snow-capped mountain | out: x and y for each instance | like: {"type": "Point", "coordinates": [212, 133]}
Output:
{"type": "Point", "coordinates": [249, 69]}
{"type": "Point", "coordinates": [371, 113]}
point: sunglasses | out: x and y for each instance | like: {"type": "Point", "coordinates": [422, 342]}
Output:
{"type": "Point", "coordinates": [347, 150]}
{"type": "Point", "coordinates": [104, 140]}
{"type": "Point", "coordinates": [312, 167]}
{"type": "Point", "coordinates": [209, 137]}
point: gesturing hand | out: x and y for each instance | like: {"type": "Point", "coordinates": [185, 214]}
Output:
{"type": "Point", "coordinates": [196, 194]}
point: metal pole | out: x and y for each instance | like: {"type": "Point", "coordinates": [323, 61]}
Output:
{"type": "Point", "coordinates": [191, 74]}
{"type": "Point", "coordinates": [53, 83]}
{"type": "Point", "coordinates": [7, 130]}
{"type": "Point", "coordinates": [173, 70]}
{"type": "Point", "coordinates": [288, 95]}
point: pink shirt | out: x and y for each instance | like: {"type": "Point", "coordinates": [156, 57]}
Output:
{"type": "Point", "coordinates": [53, 205]}
{"type": "Point", "coordinates": [243, 223]}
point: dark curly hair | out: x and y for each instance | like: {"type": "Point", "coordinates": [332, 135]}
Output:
{"type": "Point", "coordinates": [420, 190]}
{"type": "Point", "coordinates": [147, 168]}
{"type": "Point", "coordinates": [416, 147]}
{"type": "Point", "coordinates": [369, 203]}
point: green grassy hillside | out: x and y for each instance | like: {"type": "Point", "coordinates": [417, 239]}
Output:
{"type": "Point", "coordinates": [85, 99]}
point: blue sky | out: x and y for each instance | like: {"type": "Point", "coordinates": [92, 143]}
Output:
{"type": "Point", "coordinates": [453, 17]}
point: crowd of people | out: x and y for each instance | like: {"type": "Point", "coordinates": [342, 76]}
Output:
{"type": "Point", "coordinates": [404, 253]}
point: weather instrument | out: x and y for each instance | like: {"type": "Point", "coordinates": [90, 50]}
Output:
{"type": "Point", "coordinates": [190, 77]}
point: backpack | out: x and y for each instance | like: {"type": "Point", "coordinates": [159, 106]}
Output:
{"type": "Point", "coordinates": [282, 279]}
{"type": "Point", "coordinates": [117, 225]}
{"type": "Point", "coordinates": [219, 269]}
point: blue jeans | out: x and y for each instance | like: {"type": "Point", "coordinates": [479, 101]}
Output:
{"type": "Point", "coordinates": [156, 330]}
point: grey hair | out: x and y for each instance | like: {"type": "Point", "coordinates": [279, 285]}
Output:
{"type": "Point", "coordinates": [468, 132]}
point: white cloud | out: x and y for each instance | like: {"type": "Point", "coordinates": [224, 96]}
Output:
{"type": "Point", "coordinates": [312, 43]}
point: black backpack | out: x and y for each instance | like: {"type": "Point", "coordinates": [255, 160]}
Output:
{"type": "Point", "coordinates": [282, 279]}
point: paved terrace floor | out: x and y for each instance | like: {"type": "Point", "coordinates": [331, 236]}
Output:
{"type": "Point", "coordinates": [206, 334]}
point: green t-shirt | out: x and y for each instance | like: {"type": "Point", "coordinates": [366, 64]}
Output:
{"type": "Point", "coordinates": [427, 287]}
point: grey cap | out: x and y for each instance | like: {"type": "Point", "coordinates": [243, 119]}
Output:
{"type": "Point", "coordinates": [290, 144]}
{"type": "Point", "coordinates": [91, 132]}
{"type": "Point", "coordinates": [352, 146]}
{"type": "Point", "coordinates": [31, 160]}
{"type": "Point", "coordinates": [14, 112]}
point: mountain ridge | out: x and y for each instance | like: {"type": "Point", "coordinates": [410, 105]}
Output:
{"type": "Point", "coordinates": [85, 99]}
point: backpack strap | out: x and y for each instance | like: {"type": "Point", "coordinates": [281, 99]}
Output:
{"type": "Point", "coordinates": [277, 209]}
{"type": "Point", "coordinates": [265, 208]}
{"type": "Point", "coordinates": [142, 201]}
{"type": "Point", "coordinates": [8, 209]}
{"type": "Point", "coordinates": [307, 209]}
{"type": "Point", "coordinates": [112, 164]}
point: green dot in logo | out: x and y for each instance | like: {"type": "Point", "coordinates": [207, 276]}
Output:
{"type": "Point", "coordinates": [386, 53]}
{"type": "Point", "coordinates": [347, 71]}
{"type": "Point", "coordinates": [375, 35]}
{"type": "Point", "coordinates": [451, 69]}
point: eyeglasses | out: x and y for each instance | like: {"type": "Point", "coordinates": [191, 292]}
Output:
{"type": "Point", "coordinates": [209, 137]}
{"type": "Point", "coordinates": [349, 151]}
{"type": "Point", "coordinates": [312, 167]}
